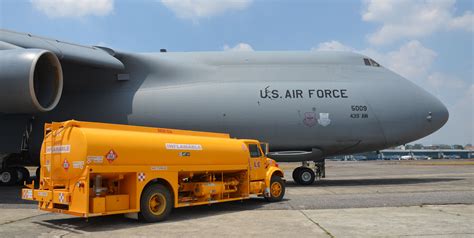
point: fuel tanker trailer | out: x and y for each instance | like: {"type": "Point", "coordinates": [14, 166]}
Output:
{"type": "Point", "coordinates": [94, 169]}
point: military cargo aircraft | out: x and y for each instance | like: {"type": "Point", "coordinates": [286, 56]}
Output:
{"type": "Point", "coordinates": [307, 105]}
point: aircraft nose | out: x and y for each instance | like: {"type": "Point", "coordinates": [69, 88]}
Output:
{"type": "Point", "coordinates": [437, 115]}
{"type": "Point", "coordinates": [413, 113]}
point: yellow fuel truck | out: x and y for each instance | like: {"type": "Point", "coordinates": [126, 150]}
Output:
{"type": "Point", "coordinates": [94, 169]}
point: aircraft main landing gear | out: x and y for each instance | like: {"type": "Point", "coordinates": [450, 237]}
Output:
{"type": "Point", "coordinates": [12, 172]}
{"type": "Point", "coordinates": [305, 175]}
{"type": "Point", "coordinates": [8, 176]}
{"type": "Point", "coordinates": [14, 175]}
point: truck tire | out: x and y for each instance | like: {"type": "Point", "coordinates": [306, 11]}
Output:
{"type": "Point", "coordinates": [306, 176]}
{"type": "Point", "coordinates": [8, 176]}
{"type": "Point", "coordinates": [277, 189]}
{"type": "Point", "coordinates": [156, 203]}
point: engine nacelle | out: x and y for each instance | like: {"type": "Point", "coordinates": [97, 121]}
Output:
{"type": "Point", "coordinates": [31, 81]}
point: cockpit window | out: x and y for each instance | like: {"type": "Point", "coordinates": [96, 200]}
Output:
{"type": "Point", "coordinates": [371, 62]}
{"type": "Point", "coordinates": [366, 61]}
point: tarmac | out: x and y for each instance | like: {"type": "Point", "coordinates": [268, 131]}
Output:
{"type": "Point", "coordinates": [357, 199]}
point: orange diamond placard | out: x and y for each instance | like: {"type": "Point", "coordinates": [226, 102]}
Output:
{"type": "Point", "coordinates": [111, 156]}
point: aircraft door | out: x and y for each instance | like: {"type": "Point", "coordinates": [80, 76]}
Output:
{"type": "Point", "coordinates": [257, 162]}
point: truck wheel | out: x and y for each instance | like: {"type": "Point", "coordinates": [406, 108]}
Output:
{"type": "Point", "coordinates": [156, 203]}
{"type": "Point", "coordinates": [8, 176]}
{"type": "Point", "coordinates": [277, 189]}
{"type": "Point", "coordinates": [306, 176]}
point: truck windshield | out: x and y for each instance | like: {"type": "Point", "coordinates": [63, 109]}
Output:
{"type": "Point", "coordinates": [254, 151]}
{"type": "Point", "coordinates": [264, 148]}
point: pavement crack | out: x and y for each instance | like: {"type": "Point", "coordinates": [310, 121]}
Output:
{"type": "Point", "coordinates": [291, 205]}
{"type": "Point", "coordinates": [63, 227]}
{"type": "Point", "coordinates": [317, 224]}
{"type": "Point", "coordinates": [445, 212]}
{"type": "Point", "coordinates": [66, 233]}
{"type": "Point", "coordinates": [22, 219]}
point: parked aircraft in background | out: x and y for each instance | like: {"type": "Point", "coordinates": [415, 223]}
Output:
{"type": "Point", "coordinates": [415, 157]}
{"type": "Point", "coordinates": [307, 105]}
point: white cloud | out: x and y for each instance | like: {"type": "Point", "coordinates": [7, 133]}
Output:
{"type": "Point", "coordinates": [465, 22]}
{"type": "Point", "coordinates": [332, 45]}
{"type": "Point", "coordinates": [463, 114]}
{"type": "Point", "coordinates": [238, 47]}
{"type": "Point", "coordinates": [194, 9]}
{"type": "Point", "coordinates": [74, 8]}
{"type": "Point", "coordinates": [440, 81]}
{"type": "Point", "coordinates": [412, 60]}
{"type": "Point", "coordinates": [448, 88]}
{"type": "Point", "coordinates": [413, 19]}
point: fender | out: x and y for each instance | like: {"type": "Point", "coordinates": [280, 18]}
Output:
{"type": "Point", "coordinates": [273, 170]}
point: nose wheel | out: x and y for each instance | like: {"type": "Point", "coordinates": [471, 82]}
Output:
{"type": "Point", "coordinates": [305, 175]}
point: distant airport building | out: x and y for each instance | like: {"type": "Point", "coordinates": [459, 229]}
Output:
{"type": "Point", "coordinates": [434, 154]}
{"type": "Point", "coordinates": [419, 154]}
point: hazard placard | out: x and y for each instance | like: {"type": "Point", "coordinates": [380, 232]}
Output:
{"type": "Point", "coordinates": [111, 156]}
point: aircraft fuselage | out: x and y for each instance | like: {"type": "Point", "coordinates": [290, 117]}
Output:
{"type": "Point", "coordinates": [330, 101]}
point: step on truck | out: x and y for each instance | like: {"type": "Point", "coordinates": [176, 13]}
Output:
{"type": "Point", "coordinates": [93, 169]}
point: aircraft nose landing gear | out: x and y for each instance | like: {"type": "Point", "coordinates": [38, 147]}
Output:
{"type": "Point", "coordinates": [305, 175]}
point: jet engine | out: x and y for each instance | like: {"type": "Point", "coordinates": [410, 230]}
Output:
{"type": "Point", "coordinates": [31, 81]}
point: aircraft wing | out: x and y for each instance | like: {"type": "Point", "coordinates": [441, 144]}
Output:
{"type": "Point", "coordinates": [31, 70]}
{"type": "Point", "coordinates": [89, 55]}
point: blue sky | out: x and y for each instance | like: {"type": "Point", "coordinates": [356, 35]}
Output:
{"type": "Point", "coordinates": [428, 42]}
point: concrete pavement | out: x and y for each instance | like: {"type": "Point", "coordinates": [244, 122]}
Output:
{"type": "Point", "coordinates": [358, 199]}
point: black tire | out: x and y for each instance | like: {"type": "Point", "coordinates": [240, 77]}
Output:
{"type": "Point", "coordinates": [296, 175]}
{"type": "Point", "coordinates": [306, 176]}
{"type": "Point", "coordinates": [276, 195]}
{"type": "Point", "coordinates": [23, 175]}
{"type": "Point", "coordinates": [38, 173]}
{"type": "Point", "coordinates": [8, 176]}
{"type": "Point", "coordinates": [159, 194]}
{"type": "Point", "coordinates": [37, 178]}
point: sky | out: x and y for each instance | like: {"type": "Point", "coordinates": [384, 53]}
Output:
{"type": "Point", "coordinates": [429, 42]}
